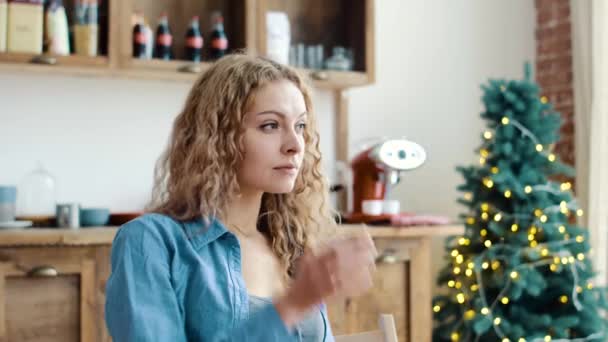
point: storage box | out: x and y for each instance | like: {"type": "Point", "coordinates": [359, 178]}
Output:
{"type": "Point", "coordinates": [25, 26]}
{"type": "Point", "coordinates": [3, 24]}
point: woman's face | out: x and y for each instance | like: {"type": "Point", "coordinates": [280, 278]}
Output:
{"type": "Point", "coordinates": [273, 139]}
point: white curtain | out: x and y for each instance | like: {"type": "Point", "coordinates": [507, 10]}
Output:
{"type": "Point", "coordinates": [590, 58]}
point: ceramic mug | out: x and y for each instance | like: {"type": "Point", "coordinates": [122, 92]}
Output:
{"type": "Point", "coordinates": [372, 207]}
{"type": "Point", "coordinates": [8, 199]}
{"type": "Point", "coordinates": [68, 215]}
{"type": "Point", "coordinates": [391, 207]}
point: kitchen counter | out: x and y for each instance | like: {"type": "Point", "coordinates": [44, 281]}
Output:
{"type": "Point", "coordinates": [105, 235]}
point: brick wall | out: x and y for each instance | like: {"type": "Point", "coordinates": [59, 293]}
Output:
{"type": "Point", "coordinates": [554, 67]}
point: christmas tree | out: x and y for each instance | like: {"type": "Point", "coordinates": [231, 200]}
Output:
{"type": "Point", "coordinates": [521, 271]}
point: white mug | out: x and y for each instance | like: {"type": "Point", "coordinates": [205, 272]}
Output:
{"type": "Point", "coordinates": [390, 207]}
{"type": "Point", "coordinates": [371, 207]}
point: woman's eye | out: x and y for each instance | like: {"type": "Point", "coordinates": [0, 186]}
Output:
{"type": "Point", "coordinates": [301, 126]}
{"type": "Point", "coordinates": [269, 126]}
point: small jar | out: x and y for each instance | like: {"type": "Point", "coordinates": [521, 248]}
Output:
{"type": "Point", "coordinates": [339, 60]}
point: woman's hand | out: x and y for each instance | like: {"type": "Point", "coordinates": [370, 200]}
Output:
{"type": "Point", "coordinates": [342, 268]}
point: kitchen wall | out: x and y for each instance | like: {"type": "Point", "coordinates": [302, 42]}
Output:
{"type": "Point", "coordinates": [432, 57]}
{"type": "Point", "coordinates": [101, 137]}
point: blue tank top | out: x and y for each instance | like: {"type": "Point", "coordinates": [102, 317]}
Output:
{"type": "Point", "coordinates": [310, 329]}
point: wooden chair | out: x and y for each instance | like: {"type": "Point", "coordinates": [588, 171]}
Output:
{"type": "Point", "coordinates": [387, 332]}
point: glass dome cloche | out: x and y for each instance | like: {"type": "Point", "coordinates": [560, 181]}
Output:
{"type": "Point", "coordinates": [36, 198]}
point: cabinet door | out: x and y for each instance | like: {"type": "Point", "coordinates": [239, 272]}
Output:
{"type": "Point", "coordinates": [47, 296]}
{"type": "Point", "coordinates": [390, 294]}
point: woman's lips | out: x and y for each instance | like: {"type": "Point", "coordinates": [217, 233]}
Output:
{"type": "Point", "coordinates": [287, 170]}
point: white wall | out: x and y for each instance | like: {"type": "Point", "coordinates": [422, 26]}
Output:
{"type": "Point", "coordinates": [100, 138]}
{"type": "Point", "coordinates": [432, 57]}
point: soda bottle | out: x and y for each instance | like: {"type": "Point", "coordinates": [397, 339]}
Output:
{"type": "Point", "coordinates": [194, 41]}
{"type": "Point", "coordinates": [139, 38]}
{"type": "Point", "coordinates": [219, 42]}
{"type": "Point", "coordinates": [164, 39]}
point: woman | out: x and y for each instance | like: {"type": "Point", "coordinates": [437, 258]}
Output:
{"type": "Point", "coordinates": [230, 250]}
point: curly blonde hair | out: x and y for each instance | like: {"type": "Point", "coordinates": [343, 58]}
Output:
{"type": "Point", "coordinates": [196, 175]}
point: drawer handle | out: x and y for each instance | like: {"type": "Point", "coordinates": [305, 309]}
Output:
{"type": "Point", "coordinates": [43, 271]}
{"type": "Point", "coordinates": [319, 75]}
{"type": "Point", "coordinates": [190, 68]}
{"type": "Point", "coordinates": [389, 256]}
{"type": "Point", "coordinates": [43, 59]}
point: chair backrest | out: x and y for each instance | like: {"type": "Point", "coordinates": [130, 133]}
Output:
{"type": "Point", "coordinates": [387, 332]}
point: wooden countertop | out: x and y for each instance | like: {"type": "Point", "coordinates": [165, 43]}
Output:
{"type": "Point", "coordinates": [105, 235]}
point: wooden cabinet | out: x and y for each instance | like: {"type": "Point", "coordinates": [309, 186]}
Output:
{"type": "Point", "coordinates": [52, 284]}
{"type": "Point", "coordinates": [389, 294]}
{"type": "Point", "coordinates": [53, 293]}
{"type": "Point", "coordinates": [329, 22]}
{"type": "Point", "coordinates": [402, 287]}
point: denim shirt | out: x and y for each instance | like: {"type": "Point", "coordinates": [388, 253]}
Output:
{"type": "Point", "coordinates": [181, 281]}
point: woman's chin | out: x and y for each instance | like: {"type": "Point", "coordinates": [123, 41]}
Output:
{"type": "Point", "coordinates": [278, 188]}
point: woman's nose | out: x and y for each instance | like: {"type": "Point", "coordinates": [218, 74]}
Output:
{"type": "Point", "coordinates": [293, 143]}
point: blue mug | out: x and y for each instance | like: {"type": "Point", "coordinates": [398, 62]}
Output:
{"type": "Point", "coordinates": [8, 198]}
{"type": "Point", "coordinates": [8, 194]}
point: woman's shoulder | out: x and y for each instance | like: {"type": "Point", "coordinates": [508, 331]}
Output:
{"type": "Point", "coordinates": [150, 233]}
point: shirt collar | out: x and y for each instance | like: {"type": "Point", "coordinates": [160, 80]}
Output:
{"type": "Point", "coordinates": [202, 232]}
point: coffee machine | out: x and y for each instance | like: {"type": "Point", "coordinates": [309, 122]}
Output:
{"type": "Point", "coordinates": [376, 170]}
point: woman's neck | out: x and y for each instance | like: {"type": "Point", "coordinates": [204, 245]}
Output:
{"type": "Point", "coordinates": [241, 215]}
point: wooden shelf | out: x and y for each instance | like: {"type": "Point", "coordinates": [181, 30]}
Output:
{"type": "Point", "coordinates": [168, 71]}
{"type": "Point", "coordinates": [331, 79]}
{"type": "Point", "coordinates": [74, 60]}
{"type": "Point", "coordinates": [88, 72]}
{"type": "Point", "coordinates": [173, 70]}
{"type": "Point", "coordinates": [348, 23]}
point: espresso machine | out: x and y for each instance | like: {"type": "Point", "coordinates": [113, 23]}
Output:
{"type": "Point", "coordinates": [376, 170]}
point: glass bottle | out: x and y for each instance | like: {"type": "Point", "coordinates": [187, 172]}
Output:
{"type": "Point", "coordinates": [164, 39]}
{"type": "Point", "coordinates": [139, 38]}
{"type": "Point", "coordinates": [219, 41]}
{"type": "Point", "coordinates": [194, 41]}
